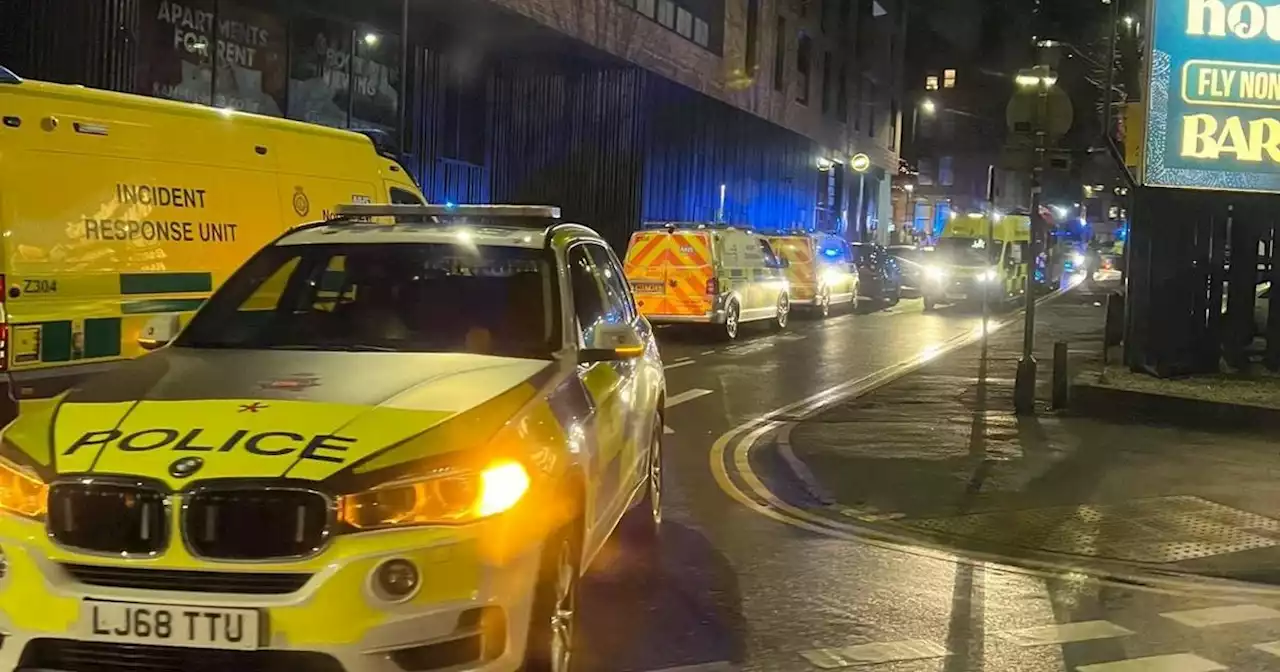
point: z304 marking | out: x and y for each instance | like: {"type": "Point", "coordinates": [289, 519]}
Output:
{"type": "Point", "coordinates": [39, 286]}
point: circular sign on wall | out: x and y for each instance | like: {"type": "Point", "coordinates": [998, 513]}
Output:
{"type": "Point", "coordinates": [860, 163]}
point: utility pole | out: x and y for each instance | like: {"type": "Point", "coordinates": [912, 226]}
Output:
{"type": "Point", "coordinates": [1024, 389]}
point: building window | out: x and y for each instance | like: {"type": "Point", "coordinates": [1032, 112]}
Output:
{"type": "Point", "coordinates": [648, 8]}
{"type": "Point", "coordinates": [684, 23]}
{"type": "Point", "coordinates": [871, 109]}
{"type": "Point", "coordinates": [946, 177]}
{"type": "Point", "coordinates": [779, 54]}
{"type": "Point", "coordinates": [701, 32]}
{"type": "Point", "coordinates": [667, 13]}
{"type": "Point", "coordinates": [826, 82]}
{"type": "Point", "coordinates": [948, 79]}
{"type": "Point", "coordinates": [893, 124]}
{"type": "Point", "coordinates": [804, 56]}
{"type": "Point", "coordinates": [925, 176]}
{"type": "Point", "coordinates": [842, 94]}
{"type": "Point", "coordinates": [931, 83]}
{"type": "Point", "coordinates": [753, 36]}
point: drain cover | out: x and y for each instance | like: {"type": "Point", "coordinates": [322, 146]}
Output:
{"type": "Point", "coordinates": [1158, 530]}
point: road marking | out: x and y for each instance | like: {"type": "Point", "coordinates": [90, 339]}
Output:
{"type": "Point", "coordinates": [874, 654]}
{"type": "Point", "coordinates": [687, 395]}
{"type": "Point", "coordinates": [1239, 613]}
{"type": "Point", "coordinates": [678, 364]}
{"type": "Point", "coordinates": [1065, 632]}
{"type": "Point", "coordinates": [1272, 648]}
{"type": "Point", "coordinates": [708, 352]}
{"type": "Point", "coordinates": [1178, 662]}
{"type": "Point", "coordinates": [666, 429]}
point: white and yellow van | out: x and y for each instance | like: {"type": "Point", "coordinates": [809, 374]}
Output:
{"type": "Point", "coordinates": [115, 208]}
{"type": "Point", "coordinates": [690, 273]}
{"type": "Point", "coordinates": [820, 270]}
{"type": "Point", "coordinates": [964, 267]}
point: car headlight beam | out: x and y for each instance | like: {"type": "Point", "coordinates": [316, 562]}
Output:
{"type": "Point", "coordinates": [934, 273]}
{"type": "Point", "coordinates": [451, 497]}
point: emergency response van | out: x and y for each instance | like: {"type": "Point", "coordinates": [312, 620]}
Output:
{"type": "Point", "coordinates": [691, 273]}
{"type": "Point", "coordinates": [116, 208]}
{"type": "Point", "coordinates": [820, 270]}
{"type": "Point", "coordinates": [965, 267]}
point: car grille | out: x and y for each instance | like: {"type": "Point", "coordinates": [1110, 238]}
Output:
{"type": "Point", "coordinates": [74, 656]}
{"type": "Point", "coordinates": [241, 583]}
{"type": "Point", "coordinates": [108, 518]}
{"type": "Point", "coordinates": [255, 524]}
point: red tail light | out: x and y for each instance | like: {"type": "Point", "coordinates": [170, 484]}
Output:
{"type": "Point", "coordinates": [713, 287]}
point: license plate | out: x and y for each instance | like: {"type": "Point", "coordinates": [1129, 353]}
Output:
{"type": "Point", "coordinates": [647, 287]}
{"type": "Point", "coordinates": [171, 625]}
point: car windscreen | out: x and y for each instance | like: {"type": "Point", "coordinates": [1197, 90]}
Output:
{"type": "Point", "coordinates": [385, 297]}
{"type": "Point", "coordinates": [962, 251]}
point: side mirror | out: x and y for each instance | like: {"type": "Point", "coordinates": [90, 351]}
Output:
{"type": "Point", "coordinates": [159, 331]}
{"type": "Point", "coordinates": [611, 343]}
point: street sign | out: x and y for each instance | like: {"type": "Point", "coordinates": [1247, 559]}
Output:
{"type": "Point", "coordinates": [1213, 103]}
{"type": "Point", "coordinates": [860, 163]}
{"type": "Point", "coordinates": [1020, 114]}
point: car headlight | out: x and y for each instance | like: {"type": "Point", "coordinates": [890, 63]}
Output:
{"type": "Point", "coordinates": [451, 497]}
{"type": "Point", "coordinates": [831, 277]}
{"type": "Point", "coordinates": [988, 275]}
{"type": "Point", "coordinates": [1077, 259]}
{"type": "Point", "coordinates": [934, 273]}
{"type": "Point", "coordinates": [22, 493]}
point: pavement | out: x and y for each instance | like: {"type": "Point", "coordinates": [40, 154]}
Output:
{"type": "Point", "coordinates": [754, 573]}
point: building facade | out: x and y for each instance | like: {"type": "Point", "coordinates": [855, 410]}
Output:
{"type": "Point", "coordinates": [619, 111]}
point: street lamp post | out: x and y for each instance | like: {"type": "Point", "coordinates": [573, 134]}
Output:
{"type": "Point", "coordinates": [1041, 79]}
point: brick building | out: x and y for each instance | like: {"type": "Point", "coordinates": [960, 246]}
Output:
{"type": "Point", "coordinates": [620, 111]}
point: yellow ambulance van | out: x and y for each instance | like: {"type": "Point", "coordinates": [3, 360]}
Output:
{"type": "Point", "coordinates": [116, 208]}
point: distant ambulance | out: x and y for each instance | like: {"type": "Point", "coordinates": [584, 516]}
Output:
{"type": "Point", "coordinates": [117, 208]}
{"type": "Point", "coordinates": [713, 275]}
{"type": "Point", "coordinates": [965, 267]}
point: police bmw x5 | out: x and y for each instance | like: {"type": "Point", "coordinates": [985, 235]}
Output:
{"type": "Point", "coordinates": [391, 441]}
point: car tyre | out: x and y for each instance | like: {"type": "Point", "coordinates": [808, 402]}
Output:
{"type": "Point", "coordinates": [783, 313]}
{"type": "Point", "coordinates": [555, 604]}
{"type": "Point", "coordinates": [929, 305]}
{"type": "Point", "coordinates": [647, 515]}
{"type": "Point", "coordinates": [732, 322]}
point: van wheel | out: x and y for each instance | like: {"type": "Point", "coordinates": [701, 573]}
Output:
{"type": "Point", "coordinates": [784, 312]}
{"type": "Point", "coordinates": [555, 605]}
{"type": "Point", "coordinates": [928, 305]}
{"type": "Point", "coordinates": [731, 322]}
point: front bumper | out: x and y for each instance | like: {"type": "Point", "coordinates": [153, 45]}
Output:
{"type": "Point", "coordinates": [471, 612]}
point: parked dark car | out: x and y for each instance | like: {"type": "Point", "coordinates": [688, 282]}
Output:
{"type": "Point", "coordinates": [912, 261]}
{"type": "Point", "coordinates": [879, 273]}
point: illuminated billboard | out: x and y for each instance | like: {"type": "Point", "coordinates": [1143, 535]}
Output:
{"type": "Point", "coordinates": [1213, 104]}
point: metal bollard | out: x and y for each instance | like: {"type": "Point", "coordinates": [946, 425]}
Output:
{"type": "Point", "coordinates": [1061, 378]}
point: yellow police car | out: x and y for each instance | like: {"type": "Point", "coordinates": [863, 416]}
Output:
{"type": "Point", "coordinates": [390, 441]}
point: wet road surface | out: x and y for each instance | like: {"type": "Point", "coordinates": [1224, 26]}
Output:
{"type": "Point", "coordinates": [738, 585]}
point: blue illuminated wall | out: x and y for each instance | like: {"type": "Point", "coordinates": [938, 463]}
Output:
{"type": "Point", "coordinates": [1213, 113]}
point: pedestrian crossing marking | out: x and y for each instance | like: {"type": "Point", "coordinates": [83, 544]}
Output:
{"type": "Point", "coordinates": [1272, 648]}
{"type": "Point", "coordinates": [1178, 662]}
{"type": "Point", "coordinates": [1067, 632]}
{"type": "Point", "coordinates": [874, 654]}
{"type": "Point", "coordinates": [1239, 613]}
